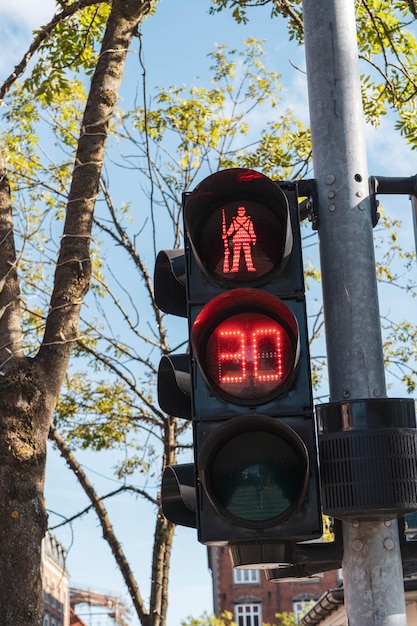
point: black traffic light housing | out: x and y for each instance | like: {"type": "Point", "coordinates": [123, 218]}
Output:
{"type": "Point", "coordinates": [245, 382]}
{"type": "Point", "coordinates": [178, 492]}
{"type": "Point", "coordinates": [255, 442]}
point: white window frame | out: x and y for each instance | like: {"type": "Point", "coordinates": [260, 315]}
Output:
{"type": "Point", "coordinates": [246, 576]}
{"type": "Point", "coordinates": [248, 614]}
{"type": "Point", "coordinates": [301, 607]}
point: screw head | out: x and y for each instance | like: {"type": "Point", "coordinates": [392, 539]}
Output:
{"type": "Point", "coordinates": [389, 543]}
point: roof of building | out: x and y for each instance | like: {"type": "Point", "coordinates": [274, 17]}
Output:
{"type": "Point", "coordinates": [333, 599]}
{"type": "Point", "coordinates": [55, 550]}
{"type": "Point", "coordinates": [328, 602]}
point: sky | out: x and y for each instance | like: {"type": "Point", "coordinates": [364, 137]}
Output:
{"type": "Point", "coordinates": [176, 41]}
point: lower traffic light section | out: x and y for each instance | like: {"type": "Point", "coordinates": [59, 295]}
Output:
{"type": "Point", "coordinates": [257, 479]}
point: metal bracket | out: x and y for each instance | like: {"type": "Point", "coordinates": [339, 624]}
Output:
{"type": "Point", "coordinates": [310, 559]}
{"type": "Point", "coordinates": [389, 185]}
{"type": "Point", "coordinates": [408, 547]}
{"type": "Point", "coordinates": [309, 208]}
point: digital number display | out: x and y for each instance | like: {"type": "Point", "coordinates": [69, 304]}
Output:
{"type": "Point", "coordinates": [249, 355]}
{"type": "Point", "coordinates": [246, 343]}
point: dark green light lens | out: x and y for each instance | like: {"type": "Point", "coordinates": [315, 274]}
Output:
{"type": "Point", "coordinates": [257, 476]}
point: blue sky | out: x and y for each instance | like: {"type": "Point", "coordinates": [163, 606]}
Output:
{"type": "Point", "coordinates": [176, 41]}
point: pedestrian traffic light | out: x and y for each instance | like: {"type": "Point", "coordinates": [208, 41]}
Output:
{"type": "Point", "coordinates": [254, 432]}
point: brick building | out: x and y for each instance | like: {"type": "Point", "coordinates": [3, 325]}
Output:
{"type": "Point", "coordinates": [253, 600]}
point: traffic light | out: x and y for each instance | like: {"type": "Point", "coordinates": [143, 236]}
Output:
{"type": "Point", "coordinates": [255, 443]}
{"type": "Point", "coordinates": [178, 493]}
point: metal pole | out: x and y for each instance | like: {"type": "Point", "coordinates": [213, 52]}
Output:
{"type": "Point", "coordinates": [372, 568]}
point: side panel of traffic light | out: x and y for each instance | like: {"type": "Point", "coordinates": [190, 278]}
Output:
{"type": "Point", "coordinates": [178, 491]}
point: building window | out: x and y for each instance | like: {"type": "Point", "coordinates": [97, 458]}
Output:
{"type": "Point", "coordinates": [301, 607]}
{"type": "Point", "coordinates": [248, 615]}
{"type": "Point", "coordinates": [245, 576]}
{"type": "Point", "coordinates": [46, 620]}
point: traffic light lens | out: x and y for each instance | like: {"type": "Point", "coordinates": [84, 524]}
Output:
{"type": "Point", "coordinates": [242, 242]}
{"type": "Point", "coordinates": [246, 342]}
{"type": "Point", "coordinates": [258, 476]}
{"type": "Point", "coordinates": [249, 356]}
{"type": "Point", "coordinates": [239, 226]}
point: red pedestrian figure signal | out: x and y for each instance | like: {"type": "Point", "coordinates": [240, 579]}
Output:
{"type": "Point", "coordinates": [242, 236]}
{"type": "Point", "coordinates": [238, 226]}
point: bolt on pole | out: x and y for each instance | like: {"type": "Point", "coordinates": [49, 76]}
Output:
{"type": "Point", "coordinates": [372, 567]}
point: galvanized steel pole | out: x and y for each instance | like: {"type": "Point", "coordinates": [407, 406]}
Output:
{"type": "Point", "coordinates": [372, 568]}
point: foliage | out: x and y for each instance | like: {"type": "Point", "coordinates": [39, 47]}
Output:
{"type": "Point", "coordinates": [70, 51]}
{"type": "Point", "coordinates": [206, 619]}
{"type": "Point", "coordinates": [287, 8]}
{"type": "Point", "coordinates": [188, 132]}
{"type": "Point", "coordinates": [387, 47]}
{"type": "Point", "coordinates": [285, 619]}
{"type": "Point", "coordinates": [184, 134]}
{"type": "Point", "coordinates": [212, 125]}
{"type": "Point", "coordinates": [172, 142]}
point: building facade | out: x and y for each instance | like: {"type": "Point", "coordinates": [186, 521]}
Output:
{"type": "Point", "coordinates": [253, 600]}
{"type": "Point", "coordinates": [55, 583]}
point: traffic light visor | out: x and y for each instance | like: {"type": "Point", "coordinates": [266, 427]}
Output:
{"type": "Point", "coordinates": [238, 224]}
{"type": "Point", "coordinates": [255, 471]}
{"type": "Point", "coordinates": [246, 342]}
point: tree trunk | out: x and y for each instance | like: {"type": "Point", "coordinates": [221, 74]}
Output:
{"type": "Point", "coordinates": [24, 418]}
{"type": "Point", "coordinates": [163, 537]}
{"type": "Point", "coordinates": [29, 388]}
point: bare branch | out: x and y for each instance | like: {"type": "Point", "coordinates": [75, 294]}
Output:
{"type": "Point", "coordinates": [87, 509]}
{"type": "Point", "coordinates": [73, 269]}
{"type": "Point", "coordinates": [108, 532]}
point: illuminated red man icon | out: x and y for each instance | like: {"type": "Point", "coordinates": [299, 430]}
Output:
{"type": "Point", "coordinates": [242, 236]}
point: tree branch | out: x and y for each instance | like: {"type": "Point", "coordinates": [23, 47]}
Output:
{"type": "Point", "coordinates": [39, 39]}
{"type": "Point", "coordinates": [11, 327]}
{"type": "Point", "coordinates": [108, 532]}
{"type": "Point", "coordinates": [87, 509]}
{"type": "Point", "coordinates": [73, 270]}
